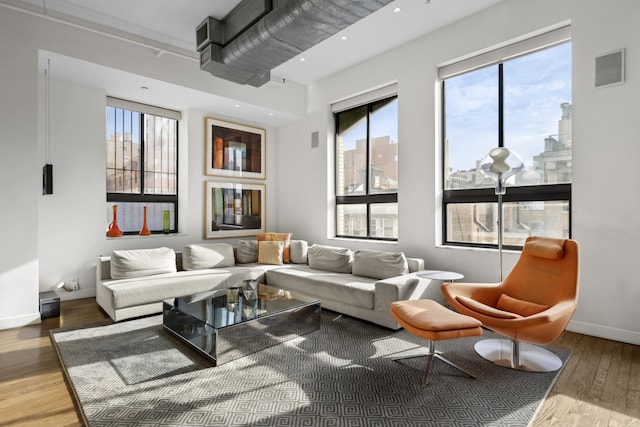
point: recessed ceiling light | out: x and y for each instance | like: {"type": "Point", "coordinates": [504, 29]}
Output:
{"type": "Point", "coordinates": [397, 10]}
{"type": "Point", "coordinates": [237, 105]}
{"type": "Point", "coordinates": [302, 59]}
{"type": "Point", "coordinates": [344, 38]}
{"type": "Point", "coordinates": [271, 114]}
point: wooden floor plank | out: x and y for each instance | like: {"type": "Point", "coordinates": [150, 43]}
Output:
{"type": "Point", "coordinates": [600, 384]}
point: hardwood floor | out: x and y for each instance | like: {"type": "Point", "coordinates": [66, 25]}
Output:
{"type": "Point", "coordinates": [600, 386]}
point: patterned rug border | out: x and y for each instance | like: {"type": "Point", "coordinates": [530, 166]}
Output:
{"type": "Point", "coordinates": [390, 390]}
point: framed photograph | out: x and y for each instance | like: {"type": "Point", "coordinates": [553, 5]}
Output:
{"type": "Point", "coordinates": [234, 150]}
{"type": "Point", "coordinates": [234, 209]}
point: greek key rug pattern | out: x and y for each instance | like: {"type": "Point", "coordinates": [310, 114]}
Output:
{"type": "Point", "coordinates": [135, 374]}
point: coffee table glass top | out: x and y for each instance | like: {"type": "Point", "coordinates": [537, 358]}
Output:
{"type": "Point", "coordinates": [226, 307]}
{"type": "Point", "coordinates": [226, 324]}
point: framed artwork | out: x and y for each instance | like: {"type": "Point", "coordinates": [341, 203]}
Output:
{"type": "Point", "coordinates": [234, 150]}
{"type": "Point", "coordinates": [234, 209]}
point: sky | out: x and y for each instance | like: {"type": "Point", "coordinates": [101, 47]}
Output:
{"type": "Point", "coordinates": [535, 86]}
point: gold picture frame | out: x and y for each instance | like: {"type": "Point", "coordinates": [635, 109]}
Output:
{"type": "Point", "coordinates": [234, 150]}
{"type": "Point", "coordinates": [234, 209]}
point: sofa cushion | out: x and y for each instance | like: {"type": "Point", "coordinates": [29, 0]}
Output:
{"type": "Point", "coordinates": [207, 255]}
{"type": "Point", "coordinates": [126, 264]}
{"type": "Point", "coordinates": [137, 291]}
{"type": "Point", "coordinates": [247, 251]}
{"type": "Point", "coordinates": [379, 264]}
{"type": "Point", "coordinates": [270, 252]}
{"type": "Point", "coordinates": [325, 285]}
{"type": "Point", "coordinates": [330, 258]}
{"type": "Point", "coordinates": [298, 251]}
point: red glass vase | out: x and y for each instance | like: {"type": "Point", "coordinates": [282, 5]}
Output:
{"type": "Point", "coordinates": [114, 230]}
{"type": "Point", "coordinates": [145, 230]}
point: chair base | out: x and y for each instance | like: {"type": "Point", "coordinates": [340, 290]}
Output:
{"type": "Point", "coordinates": [518, 355]}
{"type": "Point", "coordinates": [430, 355]}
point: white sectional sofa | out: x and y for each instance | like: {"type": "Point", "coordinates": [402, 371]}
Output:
{"type": "Point", "coordinates": [359, 283]}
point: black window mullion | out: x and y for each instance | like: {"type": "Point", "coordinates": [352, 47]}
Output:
{"type": "Point", "coordinates": [367, 178]}
{"type": "Point", "coordinates": [143, 152]}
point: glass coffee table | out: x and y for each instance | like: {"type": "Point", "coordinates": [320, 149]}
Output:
{"type": "Point", "coordinates": [227, 324]}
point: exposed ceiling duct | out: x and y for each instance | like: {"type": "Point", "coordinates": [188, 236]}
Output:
{"type": "Point", "coordinates": [257, 36]}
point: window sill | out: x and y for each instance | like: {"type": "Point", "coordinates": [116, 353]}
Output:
{"type": "Point", "coordinates": [152, 236]}
{"type": "Point", "coordinates": [370, 241]}
{"type": "Point", "coordinates": [474, 249]}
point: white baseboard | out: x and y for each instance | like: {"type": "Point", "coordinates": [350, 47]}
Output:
{"type": "Point", "coordinates": [22, 320]}
{"type": "Point", "coordinates": [615, 334]}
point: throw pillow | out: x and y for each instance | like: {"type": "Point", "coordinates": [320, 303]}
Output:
{"type": "Point", "coordinates": [330, 258]}
{"type": "Point", "coordinates": [283, 237]}
{"type": "Point", "coordinates": [379, 264]}
{"type": "Point", "coordinates": [298, 251]}
{"type": "Point", "coordinates": [518, 306]}
{"type": "Point", "coordinates": [209, 255]}
{"type": "Point", "coordinates": [247, 251]}
{"type": "Point", "coordinates": [142, 262]}
{"type": "Point", "coordinates": [270, 252]}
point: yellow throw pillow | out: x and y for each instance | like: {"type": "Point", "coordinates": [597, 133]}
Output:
{"type": "Point", "coordinates": [285, 238]}
{"type": "Point", "coordinates": [270, 252]}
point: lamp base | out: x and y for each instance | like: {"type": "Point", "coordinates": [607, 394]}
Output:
{"type": "Point", "coordinates": [518, 355]}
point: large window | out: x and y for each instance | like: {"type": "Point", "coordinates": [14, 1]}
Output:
{"type": "Point", "coordinates": [142, 165]}
{"type": "Point", "coordinates": [367, 170]}
{"type": "Point", "coordinates": [522, 103]}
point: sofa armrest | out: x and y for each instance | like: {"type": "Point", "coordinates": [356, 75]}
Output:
{"type": "Point", "coordinates": [103, 269]}
{"type": "Point", "coordinates": [405, 287]}
{"type": "Point", "coordinates": [415, 264]}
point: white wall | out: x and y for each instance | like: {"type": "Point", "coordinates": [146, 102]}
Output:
{"type": "Point", "coordinates": [605, 132]}
{"type": "Point", "coordinates": [58, 237]}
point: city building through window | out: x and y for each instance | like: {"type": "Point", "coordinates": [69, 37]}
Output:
{"type": "Point", "coordinates": [367, 170]}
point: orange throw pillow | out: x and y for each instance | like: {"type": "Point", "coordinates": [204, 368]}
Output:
{"type": "Point", "coordinates": [518, 306]}
{"type": "Point", "coordinates": [285, 238]}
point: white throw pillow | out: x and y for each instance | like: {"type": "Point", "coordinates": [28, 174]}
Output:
{"type": "Point", "coordinates": [207, 255]}
{"type": "Point", "coordinates": [379, 264]}
{"type": "Point", "coordinates": [330, 258]}
{"type": "Point", "coordinates": [142, 262]}
{"type": "Point", "coordinates": [247, 251]}
{"type": "Point", "coordinates": [298, 250]}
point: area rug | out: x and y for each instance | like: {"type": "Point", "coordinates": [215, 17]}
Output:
{"type": "Point", "coordinates": [135, 374]}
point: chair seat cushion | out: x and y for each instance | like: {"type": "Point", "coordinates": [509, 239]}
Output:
{"type": "Point", "coordinates": [485, 309]}
{"type": "Point", "coordinates": [518, 306]}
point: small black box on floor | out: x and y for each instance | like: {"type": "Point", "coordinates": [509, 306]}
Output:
{"type": "Point", "coordinates": [49, 305]}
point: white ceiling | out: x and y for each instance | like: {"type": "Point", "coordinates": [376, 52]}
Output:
{"type": "Point", "coordinates": [169, 26]}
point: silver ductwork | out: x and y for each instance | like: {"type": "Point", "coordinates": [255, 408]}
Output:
{"type": "Point", "coordinates": [257, 36]}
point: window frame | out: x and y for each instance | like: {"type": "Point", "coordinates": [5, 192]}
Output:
{"type": "Point", "coordinates": [369, 198]}
{"type": "Point", "coordinates": [524, 193]}
{"type": "Point", "coordinates": [142, 197]}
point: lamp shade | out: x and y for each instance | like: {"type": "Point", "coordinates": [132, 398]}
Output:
{"type": "Point", "coordinates": [500, 165]}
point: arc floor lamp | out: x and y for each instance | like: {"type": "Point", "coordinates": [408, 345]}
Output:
{"type": "Point", "coordinates": [500, 165]}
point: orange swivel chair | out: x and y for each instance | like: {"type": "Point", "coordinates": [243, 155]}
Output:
{"type": "Point", "coordinates": [532, 305]}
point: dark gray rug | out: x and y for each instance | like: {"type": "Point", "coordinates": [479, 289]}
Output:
{"type": "Point", "coordinates": [136, 374]}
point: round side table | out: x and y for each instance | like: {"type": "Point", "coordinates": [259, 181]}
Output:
{"type": "Point", "coordinates": [447, 276]}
